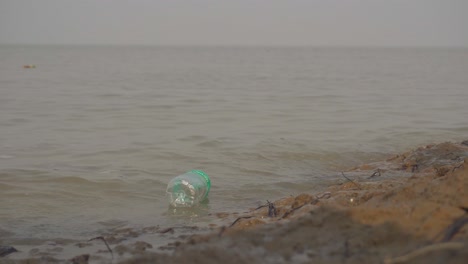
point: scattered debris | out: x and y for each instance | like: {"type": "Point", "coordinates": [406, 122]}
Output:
{"type": "Point", "coordinates": [239, 218]}
{"type": "Point", "coordinates": [336, 226]}
{"type": "Point", "coordinates": [357, 185]}
{"type": "Point", "coordinates": [291, 211]}
{"type": "Point", "coordinates": [260, 207]}
{"type": "Point", "coordinates": [105, 242]}
{"type": "Point", "coordinates": [271, 209]}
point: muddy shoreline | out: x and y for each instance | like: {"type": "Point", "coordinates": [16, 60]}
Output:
{"type": "Point", "coordinates": [410, 208]}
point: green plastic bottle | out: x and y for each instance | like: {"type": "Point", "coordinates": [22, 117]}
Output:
{"type": "Point", "coordinates": [188, 189]}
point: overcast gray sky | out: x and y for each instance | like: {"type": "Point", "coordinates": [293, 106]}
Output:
{"type": "Point", "coordinates": [236, 22]}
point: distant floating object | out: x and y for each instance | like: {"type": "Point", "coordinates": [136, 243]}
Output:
{"type": "Point", "coordinates": [29, 66]}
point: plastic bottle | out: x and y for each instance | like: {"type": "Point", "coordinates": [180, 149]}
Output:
{"type": "Point", "coordinates": [188, 189]}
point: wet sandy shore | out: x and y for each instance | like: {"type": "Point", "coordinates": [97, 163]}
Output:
{"type": "Point", "coordinates": [410, 208]}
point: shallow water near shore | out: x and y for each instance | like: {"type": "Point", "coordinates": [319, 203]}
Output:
{"type": "Point", "coordinates": [91, 136]}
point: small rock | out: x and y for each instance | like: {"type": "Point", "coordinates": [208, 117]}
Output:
{"type": "Point", "coordinates": [141, 246]}
{"type": "Point", "coordinates": [121, 249]}
{"type": "Point", "coordinates": [222, 215]}
{"type": "Point", "coordinates": [81, 259]}
{"type": "Point", "coordinates": [6, 250]}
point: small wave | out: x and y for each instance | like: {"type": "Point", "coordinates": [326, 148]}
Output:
{"type": "Point", "coordinates": [157, 107]}
{"type": "Point", "coordinates": [256, 173]}
{"type": "Point", "coordinates": [18, 120]}
{"type": "Point", "coordinates": [210, 143]}
{"type": "Point", "coordinates": [461, 128]}
{"type": "Point", "coordinates": [107, 95]}
{"type": "Point", "coordinates": [73, 180]}
{"type": "Point", "coordinates": [7, 187]}
{"type": "Point", "coordinates": [19, 174]}
{"type": "Point", "coordinates": [123, 151]}
{"type": "Point", "coordinates": [193, 138]}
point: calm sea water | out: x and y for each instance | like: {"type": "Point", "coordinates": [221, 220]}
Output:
{"type": "Point", "coordinates": [91, 136]}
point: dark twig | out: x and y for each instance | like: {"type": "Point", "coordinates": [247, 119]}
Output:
{"type": "Point", "coordinates": [239, 218]}
{"type": "Point", "coordinates": [425, 250]}
{"type": "Point", "coordinates": [453, 229]}
{"type": "Point", "coordinates": [292, 210]}
{"type": "Point", "coordinates": [324, 195]}
{"type": "Point", "coordinates": [359, 187]}
{"type": "Point", "coordinates": [221, 231]}
{"type": "Point", "coordinates": [271, 209]}
{"type": "Point", "coordinates": [105, 242]}
{"type": "Point", "coordinates": [261, 206]}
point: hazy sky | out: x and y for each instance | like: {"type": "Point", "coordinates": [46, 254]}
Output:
{"type": "Point", "coordinates": [236, 22]}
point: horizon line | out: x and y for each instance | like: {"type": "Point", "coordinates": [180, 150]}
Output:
{"type": "Point", "coordinates": [235, 45]}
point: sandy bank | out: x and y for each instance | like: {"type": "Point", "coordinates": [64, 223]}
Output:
{"type": "Point", "coordinates": [367, 219]}
{"type": "Point", "coordinates": [411, 208]}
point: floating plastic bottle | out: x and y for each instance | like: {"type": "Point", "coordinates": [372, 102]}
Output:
{"type": "Point", "coordinates": [188, 189]}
